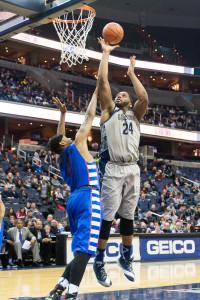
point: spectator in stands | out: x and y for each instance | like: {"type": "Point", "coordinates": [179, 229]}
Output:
{"type": "Point", "coordinates": [54, 227]}
{"type": "Point", "coordinates": [10, 212]}
{"type": "Point", "coordinates": [157, 228]}
{"type": "Point", "coordinates": [23, 195]}
{"type": "Point", "coordinates": [166, 227]}
{"type": "Point", "coordinates": [52, 245]}
{"type": "Point", "coordinates": [44, 190]}
{"type": "Point", "coordinates": [9, 222]}
{"type": "Point", "coordinates": [29, 215]}
{"type": "Point", "coordinates": [49, 219]}
{"type": "Point", "coordinates": [43, 240]}
{"type": "Point", "coordinates": [55, 182]}
{"type": "Point", "coordinates": [14, 193]}
{"type": "Point", "coordinates": [2, 174]}
{"type": "Point", "coordinates": [143, 205]}
{"type": "Point", "coordinates": [17, 236]}
{"type": "Point", "coordinates": [179, 228]}
{"type": "Point", "coordinates": [6, 193]}
{"type": "Point", "coordinates": [21, 213]}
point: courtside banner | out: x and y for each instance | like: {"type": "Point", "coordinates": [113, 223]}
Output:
{"type": "Point", "coordinates": [1, 232]}
{"type": "Point", "coordinates": [112, 252]}
{"type": "Point", "coordinates": [166, 248]}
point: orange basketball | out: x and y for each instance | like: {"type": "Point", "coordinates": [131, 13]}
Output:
{"type": "Point", "coordinates": [113, 33]}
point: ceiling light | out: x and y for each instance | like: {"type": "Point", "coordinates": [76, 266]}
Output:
{"type": "Point", "coordinates": [30, 123]}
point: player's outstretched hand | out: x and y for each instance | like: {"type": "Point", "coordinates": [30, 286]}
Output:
{"type": "Point", "coordinates": [105, 46]}
{"type": "Point", "coordinates": [60, 105]}
{"type": "Point", "coordinates": [131, 68]}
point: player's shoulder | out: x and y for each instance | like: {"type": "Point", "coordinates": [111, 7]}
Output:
{"type": "Point", "coordinates": [107, 115]}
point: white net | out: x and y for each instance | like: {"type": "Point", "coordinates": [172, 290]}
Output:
{"type": "Point", "coordinates": [73, 31]}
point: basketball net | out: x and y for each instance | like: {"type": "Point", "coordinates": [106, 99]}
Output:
{"type": "Point", "coordinates": [72, 30]}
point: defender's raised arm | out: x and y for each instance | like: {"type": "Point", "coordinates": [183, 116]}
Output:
{"type": "Point", "coordinates": [63, 110]}
{"type": "Point", "coordinates": [89, 117]}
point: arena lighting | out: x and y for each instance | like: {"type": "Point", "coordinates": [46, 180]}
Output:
{"type": "Point", "coordinates": [40, 113]}
{"type": "Point", "coordinates": [36, 113]}
{"type": "Point", "coordinates": [147, 65]}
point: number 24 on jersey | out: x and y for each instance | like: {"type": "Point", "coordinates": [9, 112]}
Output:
{"type": "Point", "coordinates": [127, 128]}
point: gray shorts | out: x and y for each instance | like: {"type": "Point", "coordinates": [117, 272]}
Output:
{"type": "Point", "coordinates": [120, 190]}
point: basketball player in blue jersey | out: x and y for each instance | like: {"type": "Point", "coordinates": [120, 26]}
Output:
{"type": "Point", "coordinates": [79, 171]}
{"type": "Point", "coordinates": [120, 137]}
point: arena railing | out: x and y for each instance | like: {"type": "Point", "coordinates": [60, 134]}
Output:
{"type": "Point", "coordinates": [21, 154]}
{"type": "Point", "coordinates": [191, 181]}
{"type": "Point", "coordinates": [54, 171]}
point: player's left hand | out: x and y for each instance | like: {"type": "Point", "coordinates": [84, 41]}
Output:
{"type": "Point", "coordinates": [131, 68]}
{"type": "Point", "coordinates": [60, 105]}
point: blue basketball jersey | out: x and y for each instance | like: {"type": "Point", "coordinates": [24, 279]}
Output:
{"type": "Point", "coordinates": [1, 232]}
{"type": "Point", "coordinates": [76, 171]}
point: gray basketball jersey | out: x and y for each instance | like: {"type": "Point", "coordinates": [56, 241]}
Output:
{"type": "Point", "coordinates": [120, 137]}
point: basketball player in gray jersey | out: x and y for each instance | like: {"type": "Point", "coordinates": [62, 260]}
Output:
{"type": "Point", "coordinates": [120, 137]}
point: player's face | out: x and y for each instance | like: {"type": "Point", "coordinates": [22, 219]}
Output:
{"type": "Point", "coordinates": [122, 99]}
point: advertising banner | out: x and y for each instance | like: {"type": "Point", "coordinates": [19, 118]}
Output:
{"type": "Point", "coordinates": [112, 252]}
{"type": "Point", "coordinates": [166, 248]}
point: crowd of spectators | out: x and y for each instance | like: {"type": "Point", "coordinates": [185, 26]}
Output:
{"type": "Point", "coordinates": [168, 203]}
{"type": "Point", "coordinates": [173, 117]}
{"type": "Point", "coordinates": [18, 87]}
{"type": "Point", "coordinates": [35, 205]}
{"type": "Point", "coordinates": [37, 201]}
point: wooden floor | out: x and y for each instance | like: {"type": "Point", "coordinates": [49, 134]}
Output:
{"type": "Point", "coordinates": [38, 282]}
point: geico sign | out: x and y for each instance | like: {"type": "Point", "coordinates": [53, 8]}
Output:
{"type": "Point", "coordinates": [170, 247]}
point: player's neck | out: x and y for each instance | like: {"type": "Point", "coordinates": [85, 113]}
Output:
{"type": "Point", "coordinates": [125, 109]}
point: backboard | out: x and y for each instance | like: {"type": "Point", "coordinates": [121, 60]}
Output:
{"type": "Point", "coordinates": [19, 16]}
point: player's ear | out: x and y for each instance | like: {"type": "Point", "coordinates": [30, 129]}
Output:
{"type": "Point", "coordinates": [61, 143]}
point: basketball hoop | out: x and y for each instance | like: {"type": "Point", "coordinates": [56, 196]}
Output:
{"type": "Point", "coordinates": [72, 29]}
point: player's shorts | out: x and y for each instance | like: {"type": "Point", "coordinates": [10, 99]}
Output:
{"type": "Point", "coordinates": [120, 190]}
{"type": "Point", "coordinates": [84, 212]}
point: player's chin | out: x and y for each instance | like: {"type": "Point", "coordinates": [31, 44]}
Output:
{"type": "Point", "coordinates": [118, 104]}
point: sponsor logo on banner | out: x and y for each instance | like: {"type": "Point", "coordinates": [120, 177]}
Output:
{"type": "Point", "coordinates": [170, 247]}
{"type": "Point", "coordinates": [166, 248]}
{"type": "Point", "coordinates": [112, 251]}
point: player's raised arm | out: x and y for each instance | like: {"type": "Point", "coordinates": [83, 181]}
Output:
{"type": "Point", "coordinates": [63, 110]}
{"type": "Point", "coordinates": [85, 128]}
{"type": "Point", "coordinates": [105, 95]}
{"type": "Point", "coordinates": [141, 104]}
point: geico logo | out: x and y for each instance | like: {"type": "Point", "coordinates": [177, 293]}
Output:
{"type": "Point", "coordinates": [170, 247]}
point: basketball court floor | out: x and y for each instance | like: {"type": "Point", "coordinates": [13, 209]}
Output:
{"type": "Point", "coordinates": [154, 281]}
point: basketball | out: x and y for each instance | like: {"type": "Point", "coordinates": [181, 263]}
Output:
{"type": "Point", "coordinates": [113, 33]}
